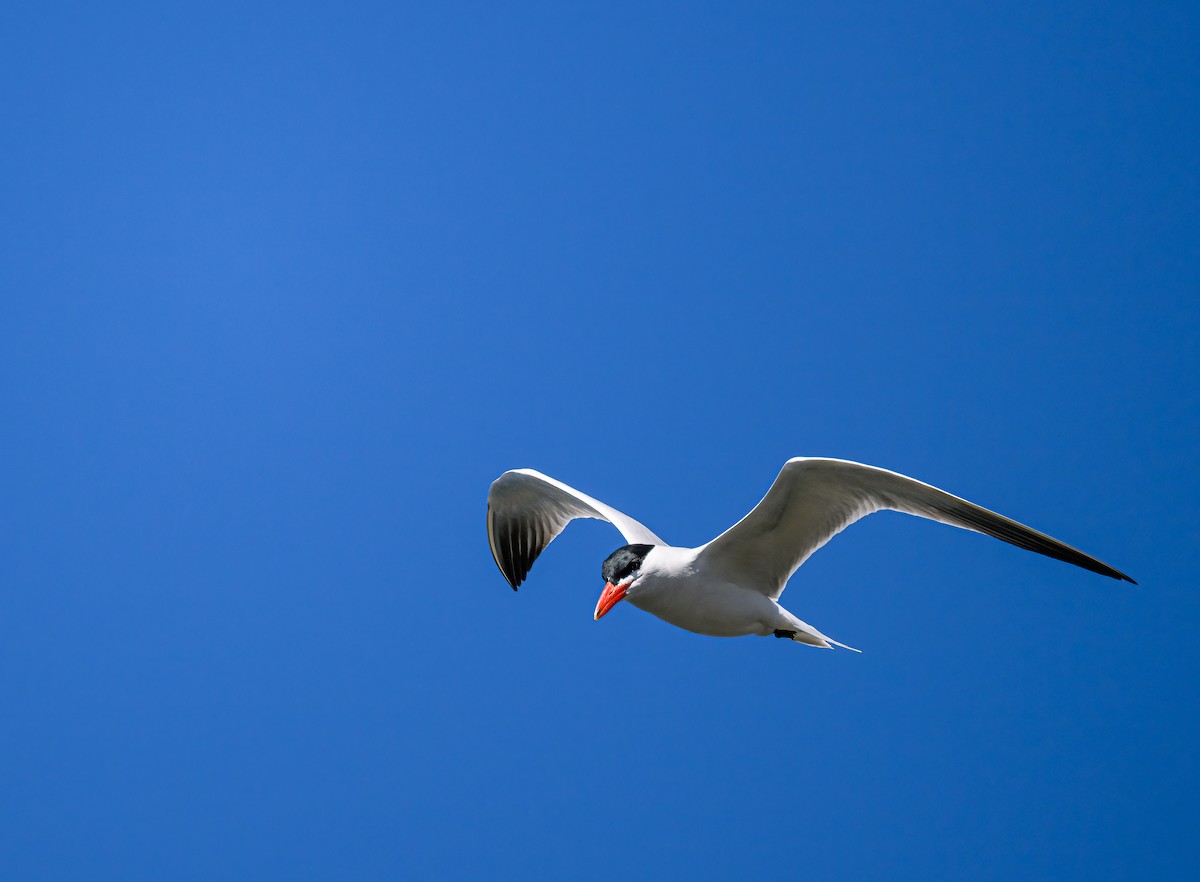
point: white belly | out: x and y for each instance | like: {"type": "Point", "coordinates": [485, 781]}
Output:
{"type": "Point", "coordinates": [716, 609]}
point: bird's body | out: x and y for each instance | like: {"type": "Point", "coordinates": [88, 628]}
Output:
{"type": "Point", "coordinates": [676, 586]}
{"type": "Point", "coordinates": [730, 587]}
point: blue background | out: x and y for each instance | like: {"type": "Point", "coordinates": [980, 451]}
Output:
{"type": "Point", "coordinates": [286, 287]}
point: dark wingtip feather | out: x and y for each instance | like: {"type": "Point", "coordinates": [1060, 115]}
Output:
{"type": "Point", "coordinates": [1112, 573]}
{"type": "Point", "coordinates": [512, 579]}
{"type": "Point", "coordinates": [1008, 530]}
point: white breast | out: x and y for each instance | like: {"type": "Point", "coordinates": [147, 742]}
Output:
{"type": "Point", "coordinates": [672, 586]}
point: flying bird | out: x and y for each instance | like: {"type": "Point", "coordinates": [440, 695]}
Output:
{"type": "Point", "coordinates": [730, 587]}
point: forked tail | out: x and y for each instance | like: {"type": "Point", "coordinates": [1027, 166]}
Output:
{"type": "Point", "coordinates": [802, 632]}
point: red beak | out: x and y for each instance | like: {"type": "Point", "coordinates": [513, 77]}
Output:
{"type": "Point", "coordinates": [610, 597]}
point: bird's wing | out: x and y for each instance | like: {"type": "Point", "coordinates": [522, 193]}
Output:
{"type": "Point", "coordinates": [527, 509]}
{"type": "Point", "coordinates": [813, 500]}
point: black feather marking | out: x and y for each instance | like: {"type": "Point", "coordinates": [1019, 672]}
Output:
{"type": "Point", "coordinates": [513, 564]}
{"type": "Point", "coordinates": [496, 548]}
{"type": "Point", "coordinates": [523, 550]}
{"type": "Point", "coordinates": [623, 561]}
{"type": "Point", "coordinates": [1023, 537]}
{"type": "Point", "coordinates": [514, 539]}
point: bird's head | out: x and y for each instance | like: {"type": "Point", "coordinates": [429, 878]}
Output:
{"type": "Point", "coordinates": [620, 570]}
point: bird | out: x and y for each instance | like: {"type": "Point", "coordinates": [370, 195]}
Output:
{"type": "Point", "coordinates": [730, 587]}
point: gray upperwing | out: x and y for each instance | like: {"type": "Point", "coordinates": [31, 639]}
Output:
{"type": "Point", "coordinates": [527, 510]}
{"type": "Point", "coordinates": [812, 500]}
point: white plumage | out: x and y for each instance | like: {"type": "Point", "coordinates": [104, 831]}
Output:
{"type": "Point", "coordinates": [730, 587]}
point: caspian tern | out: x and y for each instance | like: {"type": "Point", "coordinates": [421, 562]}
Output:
{"type": "Point", "coordinates": [731, 586]}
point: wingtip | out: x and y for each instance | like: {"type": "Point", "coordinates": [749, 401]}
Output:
{"type": "Point", "coordinates": [1114, 573]}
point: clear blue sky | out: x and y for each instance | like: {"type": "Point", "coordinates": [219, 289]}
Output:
{"type": "Point", "coordinates": [286, 287]}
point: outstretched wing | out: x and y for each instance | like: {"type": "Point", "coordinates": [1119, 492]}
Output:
{"type": "Point", "coordinates": [813, 500]}
{"type": "Point", "coordinates": [527, 509]}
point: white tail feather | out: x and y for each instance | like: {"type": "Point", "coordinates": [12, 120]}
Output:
{"type": "Point", "coordinates": [810, 636]}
